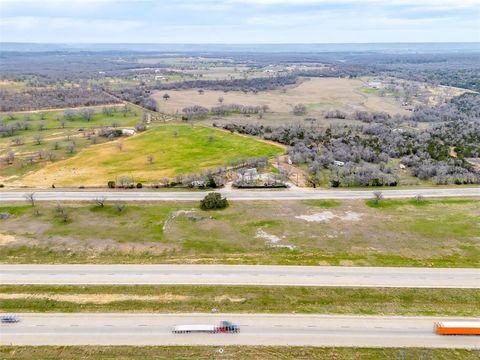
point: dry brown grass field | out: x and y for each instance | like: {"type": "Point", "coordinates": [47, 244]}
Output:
{"type": "Point", "coordinates": [318, 94]}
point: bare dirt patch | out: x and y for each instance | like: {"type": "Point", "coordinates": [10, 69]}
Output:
{"type": "Point", "coordinates": [96, 298]}
{"type": "Point", "coordinates": [7, 239]}
{"type": "Point", "coordinates": [272, 240]}
{"type": "Point", "coordinates": [328, 215]}
{"type": "Point", "coordinates": [233, 299]}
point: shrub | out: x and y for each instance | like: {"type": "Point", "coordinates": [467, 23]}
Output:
{"type": "Point", "coordinates": [139, 185]}
{"type": "Point", "coordinates": [211, 182]}
{"type": "Point", "coordinates": [213, 201]}
{"type": "Point", "coordinates": [111, 184]}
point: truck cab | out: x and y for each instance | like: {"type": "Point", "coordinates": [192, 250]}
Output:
{"type": "Point", "coordinates": [228, 327]}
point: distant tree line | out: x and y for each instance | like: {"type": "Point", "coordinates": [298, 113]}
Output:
{"type": "Point", "coordinates": [45, 98]}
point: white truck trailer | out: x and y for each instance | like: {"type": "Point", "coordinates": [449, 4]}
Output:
{"type": "Point", "coordinates": [223, 327]}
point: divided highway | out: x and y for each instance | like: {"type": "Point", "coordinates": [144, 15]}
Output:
{"type": "Point", "coordinates": [290, 194]}
{"type": "Point", "coordinates": [256, 329]}
{"type": "Point", "coordinates": [240, 275]}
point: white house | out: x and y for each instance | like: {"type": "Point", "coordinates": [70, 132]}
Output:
{"type": "Point", "coordinates": [128, 132]}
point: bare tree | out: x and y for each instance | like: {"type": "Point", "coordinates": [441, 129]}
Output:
{"type": "Point", "coordinates": [100, 201]}
{"type": "Point", "coordinates": [56, 145]}
{"type": "Point", "coordinates": [120, 206]}
{"type": "Point", "coordinates": [119, 146]}
{"type": "Point", "coordinates": [107, 110]}
{"type": "Point", "coordinates": [18, 140]}
{"type": "Point", "coordinates": [70, 147]}
{"type": "Point", "coordinates": [125, 110]}
{"type": "Point", "coordinates": [59, 208]}
{"type": "Point", "coordinates": [38, 139]}
{"type": "Point", "coordinates": [377, 197]}
{"type": "Point", "coordinates": [419, 198]}
{"type": "Point", "coordinates": [220, 99]}
{"type": "Point", "coordinates": [299, 109]}
{"type": "Point", "coordinates": [9, 157]}
{"type": "Point", "coordinates": [150, 158]}
{"type": "Point", "coordinates": [51, 155]}
{"type": "Point", "coordinates": [87, 113]}
{"type": "Point", "coordinates": [69, 114]}
{"type": "Point", "coordinates": [65, 216]}
{"type": "Point", "coordinates": [30, 197]}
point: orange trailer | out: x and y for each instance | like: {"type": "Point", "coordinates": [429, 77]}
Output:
{"type": "Point", "coordinates": [458, 328]}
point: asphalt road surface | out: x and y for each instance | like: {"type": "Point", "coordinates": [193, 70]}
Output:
{"type": "Point", "coordinates": [240, 275]}
{"type": "Point", "coordinates": [255, 329]}
{"type": "Point", "coordinates": [290, 194]}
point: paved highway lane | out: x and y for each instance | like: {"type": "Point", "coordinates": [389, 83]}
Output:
{"type": "Point", "coordinates": [291, 194]}
{"type": "Point", "coordinates": [240, 275]}
{"type": "Point", "coordinates": [256, 329]}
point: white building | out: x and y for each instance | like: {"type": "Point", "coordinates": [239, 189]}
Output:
{"type": "Point", "coordinates": [128, 132]}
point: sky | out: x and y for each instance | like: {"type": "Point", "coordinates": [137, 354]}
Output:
{"type": "Point", "coordinates": [239, 21]}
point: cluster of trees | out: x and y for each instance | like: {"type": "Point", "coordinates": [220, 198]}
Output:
{"type": "Point", "coordinates": [137, 95]}
{"type": "Point", "coordinates": [141, 95]}
{"type": "Point", "coordinates": [363, 174]}
{"type": "Point", "coordinates": [358, 155]}
{"type": "Point", "coordinates": [199, 112]}
{"type": "Point", "coordinates": [254, 84]}
{"type": "Point", "coordinates": [195, 112]}
{"type": "Point", "coordinates": [225, 109]}
{"type": "Point", "coordinates": [459, 108]}
{"type": "Point", "coordinates": [46, 98]}
{"type": "Point", "coordinates": [11, 128]}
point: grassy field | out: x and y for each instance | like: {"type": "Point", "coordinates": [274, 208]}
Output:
{"type": "Point", "coordinates": [441, 233]}
{"type": "Point", "coordinates": [177, 149]}
{"type": "Point", "coordinates": [55, 137]}
{"type": "Point", "coordinates": [244, 299]}
{"type": "Point", "coordinates": [230, 353]}
{"type": "Point", "coordinates": [318, 94]}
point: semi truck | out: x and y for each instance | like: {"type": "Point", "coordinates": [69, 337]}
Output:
{"type": "Point", "coordinates": [457, 328]}
{"type": "Point", "coordinates": [223, 327]}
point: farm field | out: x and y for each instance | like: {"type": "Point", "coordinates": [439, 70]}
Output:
{"type": "Point", "coordinates": [440, 233]}
{"type": "Point", "coordinates": [56, 137]}
{"type": "Point", "coordinates": [318, 94]}
{"type": "Point", "coordinates": [245, 299]}
{"type": "Point", "coordinates": [230, 353]}
{"type": "Point", "coordinates": [176, 149]}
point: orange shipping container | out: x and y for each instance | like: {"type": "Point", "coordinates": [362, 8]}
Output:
{"type": "Point", "coordinates": [458, 328]}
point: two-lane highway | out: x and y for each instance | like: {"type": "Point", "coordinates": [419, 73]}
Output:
{"type": "Point", "coordinates": [290, 194]}
{"type": "Point", "coordinates": [265, 275]}
{"type": "Point", "coordinates": [256, 329]}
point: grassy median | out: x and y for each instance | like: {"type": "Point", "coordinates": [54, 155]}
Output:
{"type": "Point", "coordinates": [184, 298]}
{"type": "Point", "coordinates": [229, 353]}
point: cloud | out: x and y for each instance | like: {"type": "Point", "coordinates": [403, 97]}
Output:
{"type": "Point", "coordinates": [68, 23]}
{"type": "Point", "coordinates": [444, 4]}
